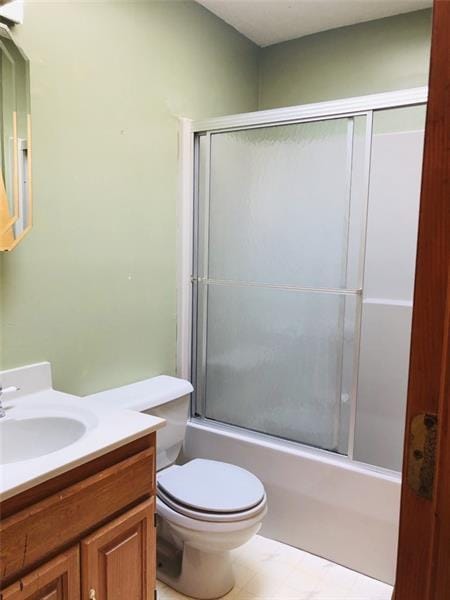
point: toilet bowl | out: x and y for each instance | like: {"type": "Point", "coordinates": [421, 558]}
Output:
{"type": "Point", "coordinates": [206, 508]}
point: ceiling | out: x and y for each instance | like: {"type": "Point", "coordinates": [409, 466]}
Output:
{"type": "Point", "coordinates": [267, 22]}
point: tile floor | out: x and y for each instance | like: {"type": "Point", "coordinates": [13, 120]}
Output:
{"type": "Point", "coordinates": [268, 570]}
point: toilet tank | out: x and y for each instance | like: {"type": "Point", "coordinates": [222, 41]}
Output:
{"type": "Point", "coordinates": [163, 396]}
{"type": "Point", "coordinates": [169, 439]}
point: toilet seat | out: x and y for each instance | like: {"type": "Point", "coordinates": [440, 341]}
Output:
{"type": "Point", "coordinates": [199, 525]}
{"type": "Point", "coordinates": [213, 491]}
{"type": "Point", "coordinates": [211, 516]}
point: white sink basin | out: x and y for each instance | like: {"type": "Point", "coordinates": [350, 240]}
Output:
{"type": "Point", "coordinates": [25, 435]}
{"type": "Point", "coordinates": [45, 433]}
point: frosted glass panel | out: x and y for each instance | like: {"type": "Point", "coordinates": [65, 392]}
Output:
{"type": "Point", "coordinates": [279, 209]}
{"type": "Point", "coordinates": [281, 227]}
{"type": "Point", "coordinates": [275, 358]}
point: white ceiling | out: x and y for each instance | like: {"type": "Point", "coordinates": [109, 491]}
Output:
{"type": "Point", "coordinates": [267, 22]}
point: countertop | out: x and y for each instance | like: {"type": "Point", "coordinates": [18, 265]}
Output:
{"type": "Point", "coordinates": [108, 422]}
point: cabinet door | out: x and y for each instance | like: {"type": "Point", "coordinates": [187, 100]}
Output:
{"type": "Point", "coordinates": [59, 579]}
{"type": "Point", "coordinates": [118, 561]}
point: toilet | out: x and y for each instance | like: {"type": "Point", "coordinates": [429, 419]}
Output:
{"type": "Point", "coordinates": [205, 508]}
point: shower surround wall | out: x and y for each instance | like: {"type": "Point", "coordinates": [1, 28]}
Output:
{"type": "Point", "coordinates": [397, 151]}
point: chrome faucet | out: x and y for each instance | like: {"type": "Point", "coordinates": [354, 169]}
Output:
{"type": "Point", "coordinates": [7, 390]}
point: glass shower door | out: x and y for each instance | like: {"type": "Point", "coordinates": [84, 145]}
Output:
{"type": "Point", "coordinates": [278, 271]}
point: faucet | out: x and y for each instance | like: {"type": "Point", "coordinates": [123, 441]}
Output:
{"type": "Point", "coordinates": [7, 390]}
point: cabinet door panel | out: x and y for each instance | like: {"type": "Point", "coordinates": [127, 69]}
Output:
{"type": "Point", "coordinates": [118, 560]}
{"type": "Point", "coordinates": [59, 579]}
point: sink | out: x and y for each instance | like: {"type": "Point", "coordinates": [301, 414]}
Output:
{"type": "Point", "coordinates": [28, 436]}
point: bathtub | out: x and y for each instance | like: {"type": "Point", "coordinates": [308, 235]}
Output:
{"type": "Point", "coordinates": [344, 511]}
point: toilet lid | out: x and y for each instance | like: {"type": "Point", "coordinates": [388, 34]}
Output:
{"type": "Point", "coordinates": [211, 486]}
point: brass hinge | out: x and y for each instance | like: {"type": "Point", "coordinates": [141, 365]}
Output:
{"type": "Point", "coordinates": [422, 454]}
{"type": "Point", "coordinates": [155, 519]}
{"type": "Point", "coordinates": [155, 594]}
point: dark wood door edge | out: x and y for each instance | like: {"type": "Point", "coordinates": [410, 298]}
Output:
{"type": "Point", "coordinates": [422, 518]}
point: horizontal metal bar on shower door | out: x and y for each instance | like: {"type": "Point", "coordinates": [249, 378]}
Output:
{"type": "Point", "coordinates": [276, 286]}
{"type": "Point", "coordinates": [336, 108]}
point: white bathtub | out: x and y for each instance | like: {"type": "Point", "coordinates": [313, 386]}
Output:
{"type": "Point", "coordinates": [344, 511]}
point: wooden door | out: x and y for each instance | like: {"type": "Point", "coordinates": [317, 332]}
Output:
{"type": "Point", "coordinates": [118, 561]}
{"type": "Point", "coordinates": [59, 579]}
{"type": "Point", "coordinates": [423, 566]}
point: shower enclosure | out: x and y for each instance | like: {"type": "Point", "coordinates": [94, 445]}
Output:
{"type": "Point", "coordinates": [283, 294]}
{"type": "Point", "coordinates": [295, 311]}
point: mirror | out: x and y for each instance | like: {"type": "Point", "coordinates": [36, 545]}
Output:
{"type": "Point", "coordinates": [15, 143]}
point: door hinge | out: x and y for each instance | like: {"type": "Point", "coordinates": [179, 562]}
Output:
{"type": "Point", "coordinates": [422, 454]}
{"type": "Point", "coordinates": [155, 519]}
{"type": "Point", "coordinates": [155, 594]}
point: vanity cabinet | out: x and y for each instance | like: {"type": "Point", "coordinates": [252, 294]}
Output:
{"type": "Point", "coordinates": [87, 534]}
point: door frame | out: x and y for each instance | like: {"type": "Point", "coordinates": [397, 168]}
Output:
{"type": "Point", "coordinates": [423, 563]}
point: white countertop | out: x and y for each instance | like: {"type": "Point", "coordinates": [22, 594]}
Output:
{"type": "Point", "coordinates": [109, 422]}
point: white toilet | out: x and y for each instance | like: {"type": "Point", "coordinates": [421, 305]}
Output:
{"type": "Point", "coordinates": [205, 508]}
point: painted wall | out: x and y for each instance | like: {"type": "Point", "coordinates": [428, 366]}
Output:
{"type": "Point", "coordinates": [92, 289]}
{"type": "Point", "coordinates": [378, 56]}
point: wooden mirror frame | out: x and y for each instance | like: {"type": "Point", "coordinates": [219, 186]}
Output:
{"type": "Point", "coordinates": [8, 221]}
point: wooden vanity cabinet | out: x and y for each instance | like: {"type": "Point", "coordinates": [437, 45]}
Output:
{"type": "Point", "coordinates": [88, 534]}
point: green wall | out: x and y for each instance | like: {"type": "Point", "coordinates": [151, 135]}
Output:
{"type": "Point", "coordinates": [92, 289]}
{"type": "Point", "coordinates": [378, 56]}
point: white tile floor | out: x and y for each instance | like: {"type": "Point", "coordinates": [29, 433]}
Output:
{"type": "Point", "coordinates": [268, 570]}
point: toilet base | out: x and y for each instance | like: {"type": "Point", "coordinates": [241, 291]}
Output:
{"type": "Point", "coordinates": [203, 575]}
